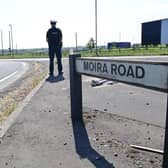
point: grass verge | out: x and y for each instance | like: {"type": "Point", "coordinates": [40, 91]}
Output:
{"type": "Point", "coordinates": [10, 99]}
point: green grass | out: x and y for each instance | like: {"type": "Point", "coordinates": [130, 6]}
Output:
{"type": "Point", "coordinates": [101, 52]}
{"type": "Point", "coordinates": [127, 52]}
{"type": "Point", "coordinates": [26, 55]}
{"type": "Point", "coordinates": [30, 55]}
{"type": "Point", "coordinates": [5, 114]}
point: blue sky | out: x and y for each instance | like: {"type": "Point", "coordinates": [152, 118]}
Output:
{"type": "Point", "coordinates": [117, 20]}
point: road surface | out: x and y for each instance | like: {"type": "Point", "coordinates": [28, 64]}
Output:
{"type": "Point", "coordinates": [129, 101]}
{"type": "Point", "coordinates": [11, 71]}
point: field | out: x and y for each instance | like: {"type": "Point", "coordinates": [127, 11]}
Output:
{"type": "Point", "coordinates": [139, 51]}
{"type": "Point", "coordinates": [136, 51]}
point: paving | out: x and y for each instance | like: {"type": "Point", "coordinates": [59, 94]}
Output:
{"type": "Point", "coordinates": [43, 135]}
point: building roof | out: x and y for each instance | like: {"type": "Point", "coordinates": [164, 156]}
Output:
{"type": "Point", "coordinates": [156, 20]}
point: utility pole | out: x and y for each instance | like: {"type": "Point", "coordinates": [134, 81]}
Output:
{"type": "Point", "coordinates": [16, 49]}
{"type": "Point", "coordinates": [96, 26]}
{"type": "Point", "coordinates": [11, 38]}
{"type": "Point", "coordinates": [9, 42]}
{"type": "Point", "coordinates": [2, 43]}
{"type": "Point", "coordinates": [76, 40]}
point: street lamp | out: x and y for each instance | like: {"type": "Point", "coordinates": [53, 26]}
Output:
{"type": "Point", "coordinates": [96, 26]}
{"type": "Point", "coordinates": [11, 38]}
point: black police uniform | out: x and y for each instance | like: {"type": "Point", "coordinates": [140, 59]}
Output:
{"type": "Point", "coordinates": [54, 38]}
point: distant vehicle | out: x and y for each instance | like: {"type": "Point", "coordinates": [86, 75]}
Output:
{"type": "Point", "coordinates": [118, 45]}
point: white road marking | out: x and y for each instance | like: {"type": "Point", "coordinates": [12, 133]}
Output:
{"type": "Point", "coordinates": [24, 64]}
{"type": "Point", "coordinates": [7, 77]}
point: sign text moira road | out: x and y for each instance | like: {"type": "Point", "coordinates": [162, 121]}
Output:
{"type": "Point", "coordinates": [147, 74]}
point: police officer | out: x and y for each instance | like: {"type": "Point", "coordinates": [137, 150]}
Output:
{"type": "Point", "coordinates": [54, 39]}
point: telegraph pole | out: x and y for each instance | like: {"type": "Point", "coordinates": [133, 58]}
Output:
{"type": "Point", "coordinates": [9, 42]}
{"type": "Point", "coordinates": [96, 26]}
{"type": "Point", "coordinates": [76, 40]}
{"type": "Point", "coordinates": [16, 49]}
{"type": "Point", "coordinates": [2, 43]}
{"type": "Point", "coordinates": [11, 38]}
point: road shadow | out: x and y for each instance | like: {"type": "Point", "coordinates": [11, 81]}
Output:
{"type": "Point", "coordinates": [54, 79]}
{"type": "Point", "coordinates": [84, 148]}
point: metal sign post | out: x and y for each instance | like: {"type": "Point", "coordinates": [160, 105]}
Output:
{"type": "Point", "coordinates": [75, 89]}
{"type": "Point", "coordinates": [165, 156]}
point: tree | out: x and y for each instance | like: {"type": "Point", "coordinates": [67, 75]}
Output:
{"type": "Point", "coordinates": [91, 43]}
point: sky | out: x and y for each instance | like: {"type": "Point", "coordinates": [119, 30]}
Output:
{"type": "Point", "coordinates": [118, 20]}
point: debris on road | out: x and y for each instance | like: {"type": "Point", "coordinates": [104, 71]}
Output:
{"type": "Point", "coordinates": [147, 149]}
{"type": "Point", "coordinates": [95, 83]}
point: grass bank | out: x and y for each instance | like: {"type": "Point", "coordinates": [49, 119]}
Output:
{"type": "Point", "coordinates": [30, 55]}
{"type": "Point", "coordinates": [138, 51]}
{"type": "Point", "coordinates": [126, 52]}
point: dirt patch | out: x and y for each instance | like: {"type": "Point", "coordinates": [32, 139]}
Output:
{"type": "Point", "coordinates": [10, 97]}
{"type": "Point", "coordinates": [112, 135]}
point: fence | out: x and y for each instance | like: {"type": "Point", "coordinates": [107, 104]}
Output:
{"type": "Point", "coordinates": [145, 50]}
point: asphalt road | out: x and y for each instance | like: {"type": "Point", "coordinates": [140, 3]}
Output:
{"type": "Point", "coordinates": [121, 99]}
{"type": "Point", "coordinates": [11, 71]}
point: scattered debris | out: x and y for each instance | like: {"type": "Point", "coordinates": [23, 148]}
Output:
{"type": "Point", "coordinates": [147, 149]}
{"type": "Point", "coordinates": [114, 143]}
{"type": "Point", "coordinates": [97, 139]}
{"type": "Point", "coordinates": [115, 154]}
{"type": "Point", "coordinates": [106, 145]}
{"type": "Point", "coordinates": [100, 82]}
{"type": "Point", "coordinates": [9, 136]}
{"type": "Point", "coordinates": [149, 138]}
{"type": "Point", "coordinates": [86, 117]}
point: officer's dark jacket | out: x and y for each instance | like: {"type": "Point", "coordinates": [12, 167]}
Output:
{"type": "Point", "coordinates": [54, 37]}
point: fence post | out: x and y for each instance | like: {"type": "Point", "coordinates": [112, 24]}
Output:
{"type": "Point", "coordinates": [165, 156]}
{"type": "Point", "coordinates": [75, 89]}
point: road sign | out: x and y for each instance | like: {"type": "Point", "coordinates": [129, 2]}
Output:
{"type": "Point", "coordinates": [153, 75]}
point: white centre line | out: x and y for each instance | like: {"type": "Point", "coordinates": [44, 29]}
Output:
{"type": "Point", "coordinates": [7, 77]}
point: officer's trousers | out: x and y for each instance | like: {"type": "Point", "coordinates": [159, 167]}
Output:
{"type": "Point", "coordinates": [52, 52]}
